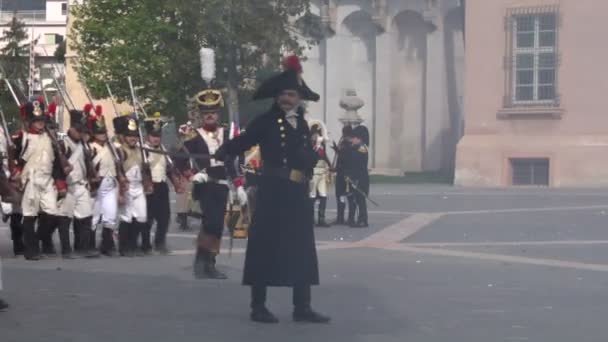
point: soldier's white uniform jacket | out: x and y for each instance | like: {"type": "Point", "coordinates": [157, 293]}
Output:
{"type": "Point", "coordinates": [158, 165]}
{"type": "Point", "coordinates": [320, 178]}
{"type": "Point", "coordinates": [40, 171]}
{"type": "Point", "coordinates": [105, 208]}
{"type": "Point", "coordinates": [78, 202]}
{"type": "Point", "coordinates": [135, 205]}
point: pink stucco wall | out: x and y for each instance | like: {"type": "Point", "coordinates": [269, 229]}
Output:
{"type": "Point", "coordinates": [577, 142]}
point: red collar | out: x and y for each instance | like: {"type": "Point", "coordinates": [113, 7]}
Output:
{"type": "Point", "coordinates": [210, 128]}
{"type": "Point", "coordinates": [32, 130]}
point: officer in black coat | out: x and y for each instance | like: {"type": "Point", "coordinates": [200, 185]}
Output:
{"type": "Point", "coordinates": [281, 249]}
{"type": "Point", "coordinates": [341, 150]}
{"type": "Point", "coordinates": [357, 177]}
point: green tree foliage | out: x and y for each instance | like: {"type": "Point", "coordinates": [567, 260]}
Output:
{"type": "Point", "coordinates": [157, 43]}
{"type": "Point", "coordinates": [14, 60]}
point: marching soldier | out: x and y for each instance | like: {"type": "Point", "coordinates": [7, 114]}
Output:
{"type": "Point", "coordinates": [41, 170]}
{"type": "Point", "coordinates": [77, 205]}
{"type": "Point", "coordinates": [281, 250]}
{"type": "Point", "coordinates": [320, 178]}
{"type": "Point", "coordinates": [112, 183]}
{"type": "Point", "coordinates": [182, 200]}
{"type": "Point", "coordinates": [210, 181]}
{"type": "Point", "coordinates": [342, 151]}
{"type": "Point", "coordinates": [133, 212]}
{"type": "Point", "coordinates": [357, 178]}
{"type": "Point", "coordinates": [159, 208]}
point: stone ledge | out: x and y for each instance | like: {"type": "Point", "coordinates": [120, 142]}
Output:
{"type": "Point", "coordinates": [554, 113]}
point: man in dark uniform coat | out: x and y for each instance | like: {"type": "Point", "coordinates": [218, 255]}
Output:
{"type": "Point", "coordinates": [281, 249]}
{"type": "Point", "coordinates": [357, 177]}
{"type": "Point", "coordinates": [210, 179]}
{"type": "Point", "coordinates": [341, 151]}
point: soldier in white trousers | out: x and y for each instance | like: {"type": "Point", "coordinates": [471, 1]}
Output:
{"type": "Point", "coordinates": [41, 172]}
{"type": "Point", "coordinates": [105, 207]}
{"type": "Point", "coordinates": [77, 205]}
{"type": "Point", "coordinates": [133, 212]}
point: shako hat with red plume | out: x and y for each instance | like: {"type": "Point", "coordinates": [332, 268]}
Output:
{"type": "Point", "coordinates": [289, 79]}
{"type": "Point", "coordinates": [96, 121]}
{"type": "Point", "coordinates": [34, 110]}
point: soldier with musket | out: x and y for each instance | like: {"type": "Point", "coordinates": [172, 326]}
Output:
{"type": "Point", "coordinates": [77, 205]}
{"type": "Point", "coordinates": [41, 171]}
{"type": "Point", "coordinates": [281, 250]}
{"type": "Point", "coordinates": [162, 170]}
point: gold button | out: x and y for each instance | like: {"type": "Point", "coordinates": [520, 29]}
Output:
{"type": "Point", "coordinates": [280, 120]}
{"type": "Point", "coordinates": [283, 144]}
{"type": "Point", "coordinates": [284, 160]}
{"type": "Point", "coordinates": [282, 128]}
{"type": "Point", "coordinates": [283, 135]}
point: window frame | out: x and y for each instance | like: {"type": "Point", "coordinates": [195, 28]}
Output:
{"type": "Point", "coordinates": [512, 52]}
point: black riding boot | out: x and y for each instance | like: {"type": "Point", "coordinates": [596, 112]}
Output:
{"type": "Point", "coordinates": [259, 311]}
{"type": "Point", "coordinates": [47, 224]}
{"type": "Point", "coordinates": [107, 247]}
{"type": "Point", "coordinates": [322, 207]}
{"type": "Point", "coordinates": [182, 221]}
{"type": "Point", "coordinates": [303, 312]}
{"type": "Point", "coordinates": [124, 231]}
{"type": "Point", "coordinates": [204, 266]}
{"type": "Point", "coordinates": [63, 224]}
{"type": "Point", "coordinates": [16, 226]}
{"type": "Point", "coordinates": [30, 239]}
{"type": "Point", "coordinates": [84, 227]}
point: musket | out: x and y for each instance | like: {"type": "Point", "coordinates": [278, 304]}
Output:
{"type": "Point", "coordinates": [146, 172]}
{"type": "Point", "coordinates": [356, 188]}
{"type": "Point", "coordinates": [122, 177]}
{"type": "Point", "coordinates": [10, 88]}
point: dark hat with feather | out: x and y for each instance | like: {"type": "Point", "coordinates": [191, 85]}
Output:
{"type": "Point", "coordinates": [289, 79]}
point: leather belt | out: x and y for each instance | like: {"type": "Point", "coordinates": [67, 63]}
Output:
{"type": "Point", "coordinates": [296, 176]}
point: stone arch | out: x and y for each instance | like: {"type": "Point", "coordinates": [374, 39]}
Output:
{"type": "Point", "coordinates": [360, 26]}
{"type": "Point", "coordinates": [408, 31]}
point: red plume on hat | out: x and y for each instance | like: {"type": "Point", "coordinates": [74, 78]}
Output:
{"type": "Point", "coordinates": [52, 110]}
{"type": "Point", "coordinates": [292, 62]}
{"type": "Point", "coordinates": [87, 108]}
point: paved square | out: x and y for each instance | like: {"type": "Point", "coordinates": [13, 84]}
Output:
{"type": "Point", "coordinates": [438, 264]}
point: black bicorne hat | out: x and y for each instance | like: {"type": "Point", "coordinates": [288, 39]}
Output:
{"type": "Point", "coordinates": [362, 133]}
{"type": "Point", "coordinates": [289, 79]}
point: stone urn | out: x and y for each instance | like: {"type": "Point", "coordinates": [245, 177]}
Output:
{"type": "Point", "coordinates": [351, 103]}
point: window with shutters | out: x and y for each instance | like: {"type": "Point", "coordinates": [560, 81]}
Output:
{"type": "Point", "coordinates": [530, 171]}
{"type": "Point", "coordinates": [532, 59]}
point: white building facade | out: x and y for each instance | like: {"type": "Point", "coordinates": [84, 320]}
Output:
{"type": "Point", "coordinates": [46, 23]}
{"type": "Point", "coordinates": [405, 59]}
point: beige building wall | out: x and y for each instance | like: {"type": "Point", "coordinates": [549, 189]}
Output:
{"type": "Point", "coordinates": [571, 132]}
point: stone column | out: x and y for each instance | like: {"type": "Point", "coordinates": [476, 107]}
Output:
{"type": "Point", "coordinates": [436, 125]}
{"type": "Point", "coordinates": [381, 122]}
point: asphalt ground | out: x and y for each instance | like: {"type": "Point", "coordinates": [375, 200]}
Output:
{"type": "Point", "coordinates": [437, 264]}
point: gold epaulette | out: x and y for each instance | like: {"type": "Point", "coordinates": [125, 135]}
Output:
{"type": "Point", "coordinates": [362, 149]}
